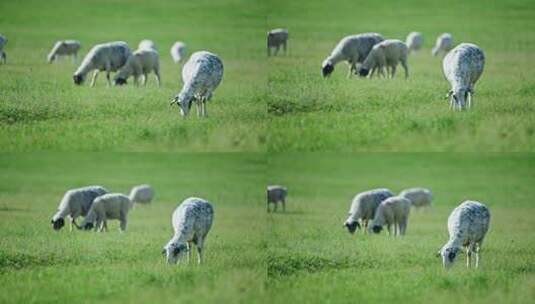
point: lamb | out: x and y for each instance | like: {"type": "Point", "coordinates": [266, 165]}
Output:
{"type": "Point", "coordinates": [392, 211]}
{"type": "Point", "coordinates": [191, 221]}
{"type": "Point", "coordinates": [276, 194]}
{"type": "Point", "coordinates": [107, 206]}
{"type": "Point", "coordinates": [64, 48]}
{"type": "Point", "coordinates": [386, 53]}
{"type": "Point", "coordinates": [141, 194]}
{"type": "Point", "coordinates": [414, 41]}
{"type": "Point", "coordinates": [444, 44]}
{"type": "Point", "coordinates": [467, 226]}
{"type": "Point", "coordinates": [108, 57]}
{"type": "Point", "coordinates": [363, 208]}
{"type": "Point", "coordinates": [178, 51]}
{"type": "Point", "coordinates": [275, 39]}
{"type": "Point", "coordinates": [201, 75]}
{"type": "Point", "coordinates": [419, 197]}
{"type": "Point", "coordinates": [353, 49]}
{"type": "Point", "coordinates": [140, 63]}
{"type": "Point", "coordinates": [3, 42]}
{"type": "Point", "coordinates": [147, 44]}
{"type": "Point", "coordinates": [462, 68]}
{"type": "Point", "coordinates": [75, 203]}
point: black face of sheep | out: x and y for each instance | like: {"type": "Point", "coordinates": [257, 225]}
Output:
{"type": "Point", "coordinates": [88, 226]}
{"type": "Point", "coordinates": [58, 224]}
{"type": "Point", "coordinates": [120, 81]}
{"type": "Point", "coordinates": [363, 72]}
{"type": "Point", "coordinates": [352, 227]}
{"type": "Point", "coordinates": [327, 70]}
{"type": "Point", "coordinates": [377, 229]}
{"type": "Point", "coordinates": [78, 79]}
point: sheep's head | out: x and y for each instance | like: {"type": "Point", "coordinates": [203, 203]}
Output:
{"type": "Point", "coordinates": [119, 81]}
{"type": "Point", "coordinates": [87, 226]}
{"type": "Point", "coordinates": [57, 224]}
{"type": "Point", "coordinates": [184, 103]}
{"type": "Point", "coordinates": [458, 98]}
{"type": "Point", "coordinates": [327, 68]}
{"type": "Point", "coordinates": [363, 72]}
{"type": "Point", "coordinates": [448, 255]}
{"type": "Point", "coordinates": [175, 252]}
{"type": "Point", "coordinates": [51, 58]}
{"type": "Point", "coordinates": [352, 226]}
{"type": "Point", "coordinates": [376, 228]}
{"type": "Point", "coordinates": [78, 79]}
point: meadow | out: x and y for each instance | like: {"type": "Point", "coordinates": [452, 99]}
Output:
{"type": "Point", "coordinates": [309, 113]}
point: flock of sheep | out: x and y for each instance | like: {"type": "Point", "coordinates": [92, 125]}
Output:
{"type": "Point", "coordinates": [468, 223]}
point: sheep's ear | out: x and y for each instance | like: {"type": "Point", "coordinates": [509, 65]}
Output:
{"type": "Point", "coordinates": [164, 251]}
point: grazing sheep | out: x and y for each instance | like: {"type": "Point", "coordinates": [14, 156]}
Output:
{"type": "Point", "coordinates": [140, 63]}
{"type": "Point", "coordinates": [387, 53]}
{"type": "Point", "coordinates": [75, 203]}
{"type": "Point", "coordinates": [419, 197]}
{"type": "Point", "coordinates": [141, 194]}
{"type": "Point", "coordinates": [147, 44]}
{"type": "Point", "coordinates": [107, 206]}
{"type": "Point", "coordinates": [363, 208]}
{"type": "Point", "coordinates": [275, 39]}
{"type": "Point", "coordinates": [192, 221]}
{"type": "Point", "coordinates": [178, 51]}
{"type": "Point", "coordinates": [467, 226]}
{"type": "Point", "coordinates": [276, 194]}
{"type": "Point", "coordinates": [462, 68]}
{"type": "Point", "coordinates": [392, 211]}
{"type": "Point", "coordinates": [3, 42]}
{"type": "Point", "coordinates": [108, 57]}
{"type": "Point", "coordinates": [201, 75]}
{"type": "Point", "coordinates": [414, 41]}
{"type": "Point", "coordinates": [64, 48]}
{"type": "Point", "coordinates": [353, 49]}
{"type": "Point", "coordinates": [444, 44]}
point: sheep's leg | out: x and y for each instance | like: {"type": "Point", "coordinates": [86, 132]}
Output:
{"type": "Point", "coordinates": [275, 206]}
{"type": "Point", "coordinates": [268, 208]}
{"type": "Point", "coordinates": [365, 225]}
{"type": "Point", "coordinates": [190, 252]}
{"type": "Point", "coordinates": [382, 71]}
{"type": "Point", "coordinates": [392, 71]}
{"type": "Point", "coordinates": [478, 247]}
{"type": "Point", "coordinates": [144, 79]}
{"type": "Point", "coordinates": [157, 73]}
{"type": "Point", "coordinates": [108, 78]}
{"type": "Point", "coordinates": [268, 51]}
{"type": "Point", "coordinates": [284, 48]}
{"type": "Point", "coordinates": [389, 229]}
{"type": "Point", "coordinates": [199, 244]}
{"type": "Point", "coordinates": [94, 79]}
{"type": "Point", "coordinates": [405, 67]}
{"type": "Point", "coordinates": [198, 106]}
{"type": "Point", "coordinates": [105, 225]}
{"type": "Point", "coordinates": [283, 205]}
{"type": "Point", "coordinates": [123, 220]}
{"type": "Point", "coordinates": [469, 99]}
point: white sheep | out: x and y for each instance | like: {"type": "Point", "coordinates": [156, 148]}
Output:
{"type": "Point", "coordinates": [147, 44]}
{"type": "Point", "coordinates": [142, 194]}
{"type": "Point", "coordinates": [178, 51]}
{"type": "Point", "coordinates": [419, 197]}
{"type": "Point", "coordinates": [64, 48]}
{"type": "Point", "coordinates": [3, 42]}
{"type": "Point", "coordinates": [75, 203]}
{"type": "Point", "coordinates": [462, 68]}
{"type": "Point", "coordinates": [415, 41]}
{"type": "Point", "coordinates": [392, 211]}
{"type": "Point", "coordinates": [276, 194]}
{"type": "Point", "coordinates": [387, 53]}
{"type": "Point", "coordinates": [191, 221]}
{"type": "Point", "coordinates": [444, 43]}
{"type": "Point", "coordinates": [353, 49]}
{"type": "Point", "coordinates": [467, 226]}
{"type": "Point", "coordinates": [275, 39]}
{"type": "Point", "coordinates": [108, 57]}
{"type": "Point", "coordinates": [201, 75]}
{"type": "Point", "coordinates": [107, 206]}
{"type": "Point", "coordinates": [363, 208]}
{"type": "Point", "coordinates": [139, 64]}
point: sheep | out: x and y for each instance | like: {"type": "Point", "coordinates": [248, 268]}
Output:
{"type": "Point", "coordinates": [140, 63]}
{"type": "Point", "coordinates": [392, 211]}
{"type": "Point", "coordinates": [444, 44]}
{"type": "Point", "coordinates": [363, 208]}
{"type": "Point", "coordinates": [191, 221]}
{"type": "Point", "coordinates": [353, 49]}
{"type": "Point", "coordinates": [75, 203]}
{"type": "Point", "coordinates": [107, 206]}
{"type": "Point", "coordinates": [462, 68]}
{"type": "Point", "coordinates": [108, 57]}
{"type": "Point", "coordinates": [275, 39]}
{"type": "Point", "coordinates": [386, 53]}
{"type": "Point", "coordinates": [147, 44]}
{"type": "Point", "coordinates": [419, 197]}
{"type": "Point", "coordinates": [3, 42]}
{"type": "Point", "coordinates": [467, 226]}
{"type": "Point", "coordinates": [414, 41]}
{"type": "Point", "coordinates": [141, 194]}
{"type": "Point", "coordinates": [276, 194]}
{"type": "Point", "coordinates": [201, 75]}
{"type": "Point", "coordinates": [178, 51]}
{"type": "Point", "coordinates": [64, 48]}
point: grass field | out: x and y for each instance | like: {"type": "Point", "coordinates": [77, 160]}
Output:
{"type": "Point", "coordinates": [308, 113]}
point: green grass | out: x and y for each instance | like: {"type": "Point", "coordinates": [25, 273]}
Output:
{"type": "Point", "coordinates": [313, 259]}
{"type": "Point", "coordinates": [308, 113]}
